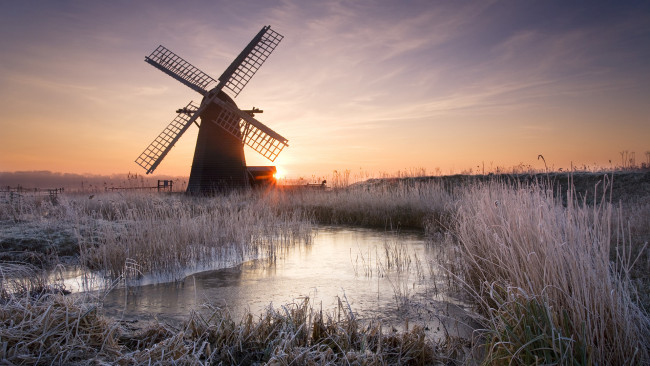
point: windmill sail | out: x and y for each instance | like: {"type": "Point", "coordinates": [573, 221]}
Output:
{"type": "Point", "coordinates": [242, 69]}
{"type": "Point", "coordinates": [181, 70]}
{"type": "Point", "coordinates": [156, 151]}
{"type": "Point", "coordinates": [252, 132]}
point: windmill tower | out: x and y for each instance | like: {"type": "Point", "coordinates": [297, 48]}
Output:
{"type": "Point", "coordinates": [219, 163]}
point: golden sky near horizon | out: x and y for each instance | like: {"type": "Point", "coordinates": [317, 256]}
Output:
{"type": "Point", "coordinates": [369, 86]}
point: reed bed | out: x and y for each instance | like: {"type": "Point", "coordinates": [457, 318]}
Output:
{"type": "Point", "coordinates": [143, 233]}
{"type": "Point", "coordinates": [298, 334]}
{"type": "Point", "coordinates": [542, 275]}
{"type": "Point", "coordinates": [42, 326]}
{"type": "Point", "coordinates": [393, 206]}
{"type": "Point", "coordinates": [634, 226]}
{"type": "Point", "coordinates": [55, 329]}
{"type": "Point", "coordinates": [24, 279]}
{"type": "Point", "coordinates": [175, 234]}
{"type": "Point", "coordinates": [558, 278]}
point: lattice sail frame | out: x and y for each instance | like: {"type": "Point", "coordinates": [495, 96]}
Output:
{"type": "Point", "coordinates": [252, 132]}
{"type": "Point", "coordinates": [242, 69]}
{"type": "Point", "coordinates": [156, 151]}
{"type": "Point", "coordinates": [181, 70]}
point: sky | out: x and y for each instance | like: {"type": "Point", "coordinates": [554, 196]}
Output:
{"type": "Point", "coordinates": [367, 86]}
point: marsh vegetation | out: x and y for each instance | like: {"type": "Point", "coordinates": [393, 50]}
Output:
{"type": "Point", "coordinates": [557, 267]}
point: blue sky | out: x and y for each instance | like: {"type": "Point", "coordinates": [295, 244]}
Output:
{"type": "Point", "coordinates": [372, 86]}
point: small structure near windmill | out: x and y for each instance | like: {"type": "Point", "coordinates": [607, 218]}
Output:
{"type": "Point", "coordinates": [219, 163]}
{"type": "Point", "coordinates": [261, 176]}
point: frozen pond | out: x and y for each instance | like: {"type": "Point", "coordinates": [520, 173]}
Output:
{"type": "Point", "coordinates": [380, 275]}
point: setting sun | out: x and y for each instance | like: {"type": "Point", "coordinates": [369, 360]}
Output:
{"type": "Point", "coordinates": [279, 174]}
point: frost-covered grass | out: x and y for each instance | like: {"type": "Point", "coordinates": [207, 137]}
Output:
{"type": "Point", "coordinates": [49, 328]}
{"type": "Point", "coordinates": [558, 277]}
{"type": "Point", "coordinates": [167, 234]}
{"type": "Point", "coordinates": [151, 233]}
{"type": "Point", "coordinates": [391, 205]}
{"type": "Point", "coordinates": [544, 278]}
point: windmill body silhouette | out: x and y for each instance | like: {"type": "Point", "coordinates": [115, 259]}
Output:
{"type": "Point", "coordinates": [219, 163]}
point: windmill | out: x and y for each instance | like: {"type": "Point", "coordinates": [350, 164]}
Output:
{"type": "Point", "coordinates": [219, 162]}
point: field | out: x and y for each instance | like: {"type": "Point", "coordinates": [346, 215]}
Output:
{"type": "Point", "coordinates": [557, 266]}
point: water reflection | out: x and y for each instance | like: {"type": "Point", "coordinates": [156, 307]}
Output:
{"type": "Point", "coordinates": [377, 273]}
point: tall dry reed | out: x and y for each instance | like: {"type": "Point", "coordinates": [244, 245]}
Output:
{"type": "Point", "coordinates": [543, 277]}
